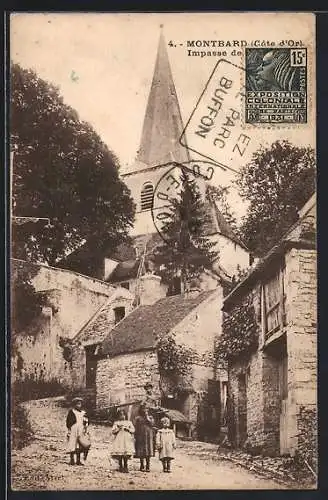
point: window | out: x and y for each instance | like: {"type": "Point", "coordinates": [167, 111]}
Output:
{"type": "Point", "coordinates": [274, 304]}
{"type": "Point", "coordinates": [119, 313]}
{"type": "Point", "coordinates": [147, 194]}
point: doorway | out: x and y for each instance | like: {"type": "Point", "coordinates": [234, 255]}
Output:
{"type": "Point", "coordinates": [91, 367]}
{"type": "Point", "coordinates": [242, 410]}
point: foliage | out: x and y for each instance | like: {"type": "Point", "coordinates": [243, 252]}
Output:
{"type": "Point", "coordinates": [277, 183]}
{"type": "Point", "coordinates": [67, 345]}
{"type": "Point", "coordinates": [21, 430]}
{"type": "Point", "coordinates": [174, 360]}
{"type": "Point", "coordinates": [36, 388]}
{"type": "Point", "coordinates": [236, 279]}
{"type": "Point", "coordinates": [240, 333]}
{"type": "Point", "coordinates": [307, 452]}
{"type": "Point", "coordinates": [62, 171]}
{"type": "Point", "coordinates": [186, 251]}
{"type": "Point", "coordinates": [26, 303]}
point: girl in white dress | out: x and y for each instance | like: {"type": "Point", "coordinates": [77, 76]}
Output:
{"type": "Point", "coordinates": [123, 443]}
{"type": "Point", "coordinates": [165, 444]}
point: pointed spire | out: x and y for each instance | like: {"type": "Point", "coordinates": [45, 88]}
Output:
{"type": "Point", "coordinates": [162, 126]}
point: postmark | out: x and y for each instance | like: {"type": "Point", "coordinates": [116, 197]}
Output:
{"type": "Point", "coordinates": [276, 85]}
{"type": "Point", "coordinates": [215, 128]}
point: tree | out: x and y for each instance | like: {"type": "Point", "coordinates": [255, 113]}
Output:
{"type": "Point", "coordinates": [62, 171]}
{"type": "Point", "coordinates": [26, 303]}
{"type": "Point", "coordinates": [186, 251]}
{"type": "Point", "coordinates": [277, 183]}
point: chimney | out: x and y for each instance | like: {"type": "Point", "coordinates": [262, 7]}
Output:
{"type": "Point", "coordinates": [193, 290]}
{"type": "Point", "coordinates": [151, 289]}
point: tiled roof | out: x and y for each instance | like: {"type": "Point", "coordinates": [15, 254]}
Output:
{"type": "Point", "coordinates": [140, 329]}
{"type": "Point", "coordinates": [175, 416]}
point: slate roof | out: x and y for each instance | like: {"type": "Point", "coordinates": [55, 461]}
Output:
{"type": "Point", "coordinates": [140, 329]}
{"type": "Point", "coordinates": [162, 127]}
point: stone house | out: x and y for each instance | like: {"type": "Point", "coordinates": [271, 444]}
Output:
{"type": "Point", "coordinates": [127, 357]}
{"type": "Point", "coordinates": [71, 301]}
{"type": "Point", "coordinates": [273, 387]}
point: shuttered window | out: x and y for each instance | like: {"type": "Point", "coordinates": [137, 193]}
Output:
{"type": "Point", "coordinates": [147, 194]}
{"type": "Point", "coordinates": [274, 303]}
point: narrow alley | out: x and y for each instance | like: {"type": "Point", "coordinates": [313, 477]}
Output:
{"type": "Point", "coordinates": [194, 468]}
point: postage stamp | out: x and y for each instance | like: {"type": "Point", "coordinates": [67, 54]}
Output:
{"type": "Point", "coordinates": [276, 85]}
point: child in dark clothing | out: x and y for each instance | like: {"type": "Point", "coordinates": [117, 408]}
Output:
{"type": "Point", "coordinates": [78, 438]}
{"type": "Point", "coordinates": [145, 438]}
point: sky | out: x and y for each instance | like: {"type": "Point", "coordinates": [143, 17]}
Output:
{"type": "Point", "coordinates": [103, 65]}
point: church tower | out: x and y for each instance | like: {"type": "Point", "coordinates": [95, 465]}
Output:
{"type": "Point", "coordinates": [159, 150]}
{"type": "Point", "coordinates": [159, 145]}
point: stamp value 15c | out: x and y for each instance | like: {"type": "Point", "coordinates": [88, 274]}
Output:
{"type": "Point", "coordinates": [276, 85]}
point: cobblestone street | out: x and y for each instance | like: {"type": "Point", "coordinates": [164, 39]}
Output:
{"type": "Point", "coordinates": [43, 465]}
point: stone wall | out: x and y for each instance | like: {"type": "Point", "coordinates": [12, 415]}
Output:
{"type": "Point", "coordinates": [264, 405]}
{"type": "Point", "coordinates": [74, 299]}
{"type": "Point", "coordinates": [272, 404]}
{"type": "Point", "coordinates": [301, 305]}
{"type": "Point", "coordinates": [252, 369]}
{"type": "Point", "coordinates": [121, 379]}
{"type": "Point", "coordinates": [198, 331]}
{"type": "Point", "coordinates": [79, 296]}
{"type": "Point", "coordinates": [35, 347]}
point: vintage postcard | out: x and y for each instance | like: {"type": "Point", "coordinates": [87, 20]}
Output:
{"type": "Point", "coordinates": [163, 253]}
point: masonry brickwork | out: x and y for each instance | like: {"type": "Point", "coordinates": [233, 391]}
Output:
{"type": "Point", "coordinates": [281, 376]}
{"type": "Point", "coordinates": [72, 300]}
{"type": "Point", "coordinates": [301, 308]}
{"type": "Point", "coordinates": [121, 379]}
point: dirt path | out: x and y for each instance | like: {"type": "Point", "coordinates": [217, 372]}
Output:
{"type": "Point", "coordinates": [43, 465]}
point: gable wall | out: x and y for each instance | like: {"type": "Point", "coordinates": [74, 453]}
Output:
{"type": "Point", "coordinates": [121, 379]}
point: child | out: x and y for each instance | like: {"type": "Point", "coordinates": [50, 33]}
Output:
{"type": "Point", "coordinates": [123, 444]}
{"type": "Point", "coordinates": [78, 438]}
{"type": "Point", "coordinates": [145, 437]}
{"type": "Point", "coordinates": [166, 444]}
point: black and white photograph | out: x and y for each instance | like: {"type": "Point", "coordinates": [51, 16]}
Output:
{"type": "Point", "coordinates": [163, 261]}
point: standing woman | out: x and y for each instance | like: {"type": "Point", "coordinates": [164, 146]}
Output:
{"type": "Point", "coordinates": [144, 438]}
{"type": "Point", "coordinates": [77, 435]}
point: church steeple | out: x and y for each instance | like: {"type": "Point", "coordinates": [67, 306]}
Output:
{"type": "Point", "coordinates": [162, 125]}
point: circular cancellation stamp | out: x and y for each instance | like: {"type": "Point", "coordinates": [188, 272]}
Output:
{"type": "Point", "coordinates": [169, 188]}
